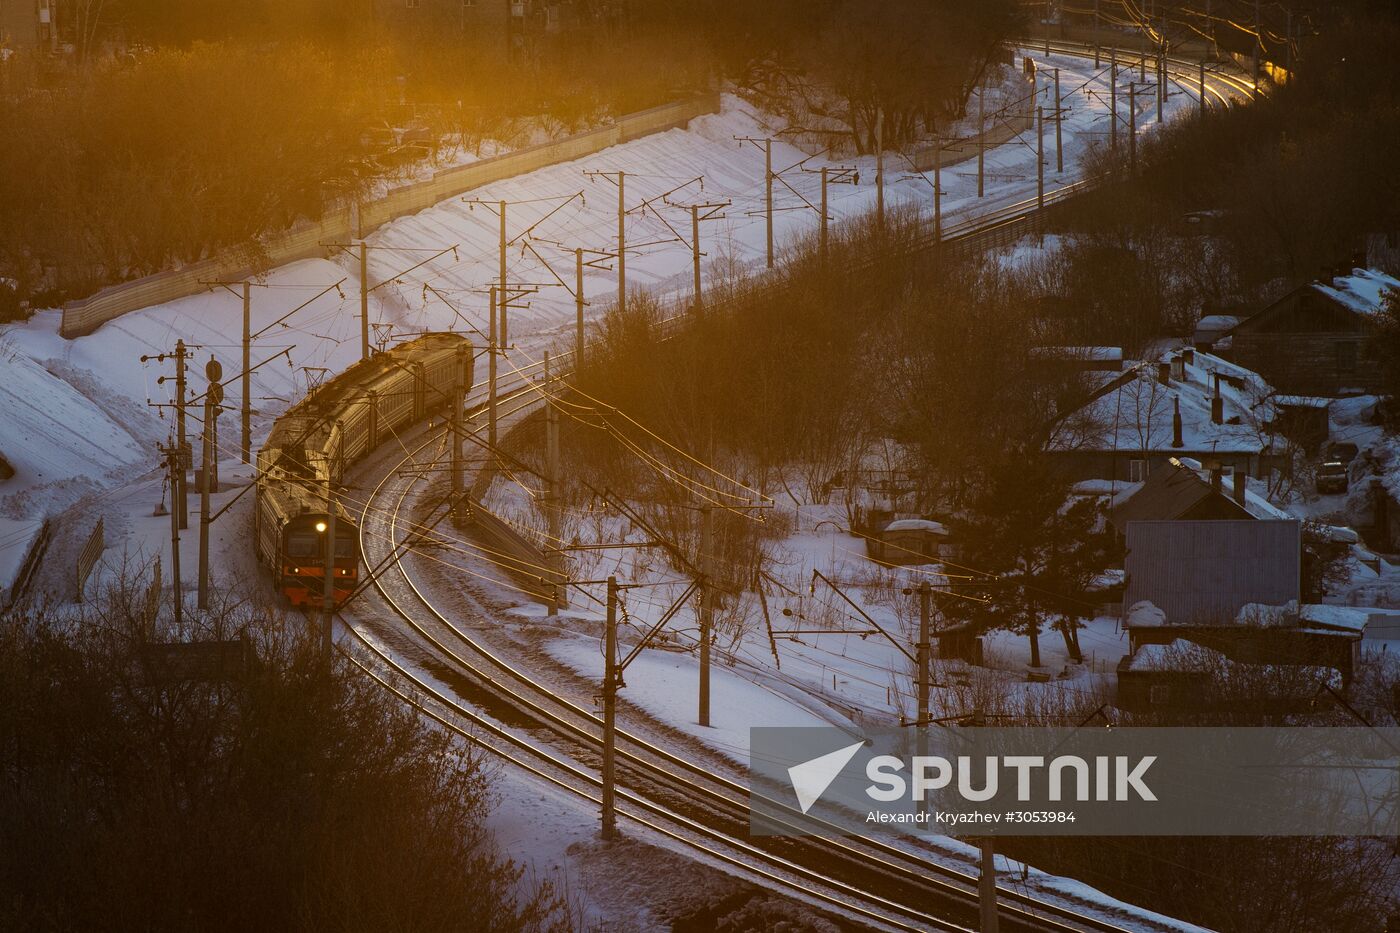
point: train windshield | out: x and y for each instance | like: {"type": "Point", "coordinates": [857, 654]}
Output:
{"type": "Point", "coordinates": [303, 544]}
{"type": "Point", "coordinates": [344, 547]}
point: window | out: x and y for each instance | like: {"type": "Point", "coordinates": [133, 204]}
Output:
{"type": "Point", "coordinates": [303, 544]}
{"type": "Point", "coordinates": [1346, 358]}
{"type": "Point", "coordinates": [1159, 694]}
{"type": "Point", "coordinates": [1137, 471]}
{"type": "Point", "coordinates": [411, 4]}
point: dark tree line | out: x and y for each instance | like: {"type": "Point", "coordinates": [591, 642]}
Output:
{"type": "Point", "coordinates": [295, 795]}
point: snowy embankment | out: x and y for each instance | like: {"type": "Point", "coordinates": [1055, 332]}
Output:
{"type": "Point", "coordinates": [103, 436]}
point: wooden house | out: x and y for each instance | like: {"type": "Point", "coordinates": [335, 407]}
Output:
{"type": "Point", "coordinates": [1319, 338]}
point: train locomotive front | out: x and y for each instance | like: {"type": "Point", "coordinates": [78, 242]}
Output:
{"type": "Point", "coordinates": [300, 467]}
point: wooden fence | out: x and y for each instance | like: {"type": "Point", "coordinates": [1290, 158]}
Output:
{"type": "Point", "coordinates": [87, 558]}
{"type": "Point", "coordinates": [340, 224]}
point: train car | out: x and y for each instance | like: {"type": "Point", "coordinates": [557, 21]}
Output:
{"type": "Point", "coordinates": [300, 467]}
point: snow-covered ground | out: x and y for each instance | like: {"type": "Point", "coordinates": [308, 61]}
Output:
{"type": "Point", "coordinates": [76, 426]}
{"type": "Point", "coordinates": [73, 414]}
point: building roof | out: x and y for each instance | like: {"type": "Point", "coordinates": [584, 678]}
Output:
{"type": "Point", "coordinates": [1363, 291]}
{"type": "Point", "coordinates": [1168, 493]}
{"type": "Point", "coordinates": [1204, 572]}
{"type": "Point", "coordinates": [1135, 411]}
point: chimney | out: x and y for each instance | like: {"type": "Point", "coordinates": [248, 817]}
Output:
{"type": "Point", "coordinates": [1215, 476]}
{"type": "Point", "coordinates": [1188, 356]}
{"type": "Point", "coordinates": [1241, 484]}
{"type": "Point", "coordinates": [1217, 404]}
{"type": "Point", "coordinates": [1164, 372]}
{"type": "Point", "coordinates": [1176, 423]}
{"type": "Point", "coordinates": [1178, 368]}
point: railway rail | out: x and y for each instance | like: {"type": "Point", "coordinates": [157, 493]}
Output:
{"type": "Point", "coordinates": [865, 879]}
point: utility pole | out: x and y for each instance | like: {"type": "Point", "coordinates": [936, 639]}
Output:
{"type": "Point", "coordinates": [1258, 41]}
{"type": "Point", "coordinates": [1059, 119]}
{"type": "Point", "coordinates": [833, 175]}
{"type": "Point", "coordinates": [1203, 88]}
{"type": "Point", "coordinates": [880, 167]}
{"type": "Point", "coordinates": [551, 428]}
{"type": "Point", "coordinates": [695, 252]}
{"type": "Point", "coordinates": [459, 391]}
{"type": "Point", "coordinates": [1040, 158]}
{"type": "Point", "coordinates": [181, 354]}
{"type": "Point", "coordinates": [981, 134]}
{"type": "Point", "coordinates": [578, 309]}
{"type": "Point", "coordinates": [1113, 98]}
{"type": "Point", "coordinates": [213, 398]}
{"type": "Point", "coordinates": [504, 296]}
{"type": "Point", "coordinates": [707, 609]}
{"type": "Point", "coordinates": [364, 300]}
{"type": "Point", "coordinates": [1162, 71]}
{"type": "Point", "coordinates": [610, 685]}
{"type": "Point", "coordinates": [925, 662]}
{"type": "Point", "coordinates": [361, 251]}
{"type": "Point", "coordinates": [1132, 124]}
{"type": "Point", "coordinates": [938, 190]}
{"type": "Point", "coordinates": [173, 457]}
{"type": "Point", "coordinates": [246, 441]}
{"type": "Point", "coordinates": [768, 193]}
{"type": "Point", "coordinates": [491, 350]}
{"type": "Point", "coordinates": [328, 583]}
{"type": "Point", "coordinates": [987, 886]}
{"type": "Point", "coordinates": [621, 243]}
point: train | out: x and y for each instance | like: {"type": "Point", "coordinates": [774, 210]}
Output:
{"type": "Point", "coordinates": [301, 466]}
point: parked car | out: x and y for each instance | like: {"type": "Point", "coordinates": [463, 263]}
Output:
{"type": "Point", "coordinates": [1332, 476]}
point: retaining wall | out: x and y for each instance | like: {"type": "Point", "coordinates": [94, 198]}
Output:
{"type": "Point", "coordinates": [309, 240]}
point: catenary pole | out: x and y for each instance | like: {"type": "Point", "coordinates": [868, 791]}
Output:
{"type": "Point", "coordinates": [578, 309]}
{"type": "Point", "coordinates": [246, 441]}
{"type": "Point", "coordinates": [609, 711]}
{"type": "Point", "coordinates": [491, 350]}
{"type": "Point", "coordinates": [707, 610]}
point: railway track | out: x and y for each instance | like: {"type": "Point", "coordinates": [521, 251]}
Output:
{"type": "Point", "coordinates": [473, 691]}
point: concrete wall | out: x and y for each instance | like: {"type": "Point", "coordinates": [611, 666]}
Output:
{"type": "Point", "coordinates": [309, 240]}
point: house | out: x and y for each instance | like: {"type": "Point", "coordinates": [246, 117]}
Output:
{"type": "Point", "coordinates": [1182, 404]}
{"type": "Point", "coordinates": [1182, 491]}
{"type": "Point", "coordinates": [1271, 658]}
{"type": "Point", "coordinates": [1319, 338]}
{"type": "Point", "coordinates": [1202, 571]}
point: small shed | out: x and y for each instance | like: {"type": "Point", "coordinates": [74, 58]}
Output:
{"type": "Point", "coordinates": [1212, 328]}
{"type": "Point", "coordinates": [908, 541]}
{"type": "Point", "coordinates": [1304, 419]}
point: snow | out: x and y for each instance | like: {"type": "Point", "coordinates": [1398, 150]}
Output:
{"type": "Point", "coordinates": [1137, 412]}
{"type": "Point", "coordinates": [1144, 614]}
{"type": "Point", "coordinates": [1337, 617]}
{"type": "Point", "coordinates": [1363, 291]}
{"type": "Point", "coordinates": [667, 684]}
{"type": "Point", "coordinates": [917, 524]}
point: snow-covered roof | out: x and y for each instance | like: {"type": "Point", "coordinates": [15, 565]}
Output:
{"type": "Point", "coordinates": [1135, 411]}
{"type": "Point", "coordinates": [1363, 291]}
{"type": "Point", "coordinates": [1170, 657]}
{"type": "Point", "coordinates": [916, 524]}
{"type": "Point", "coordinates": [1347, 618]}
{"type": "Point", "coordinates": [1216, 324]}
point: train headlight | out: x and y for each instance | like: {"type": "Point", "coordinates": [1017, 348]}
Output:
{"type": "Point", "coordinates": [321, 527]}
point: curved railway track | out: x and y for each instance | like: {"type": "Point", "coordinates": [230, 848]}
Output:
{"type": "Point", "coordinates": [470, 689]}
